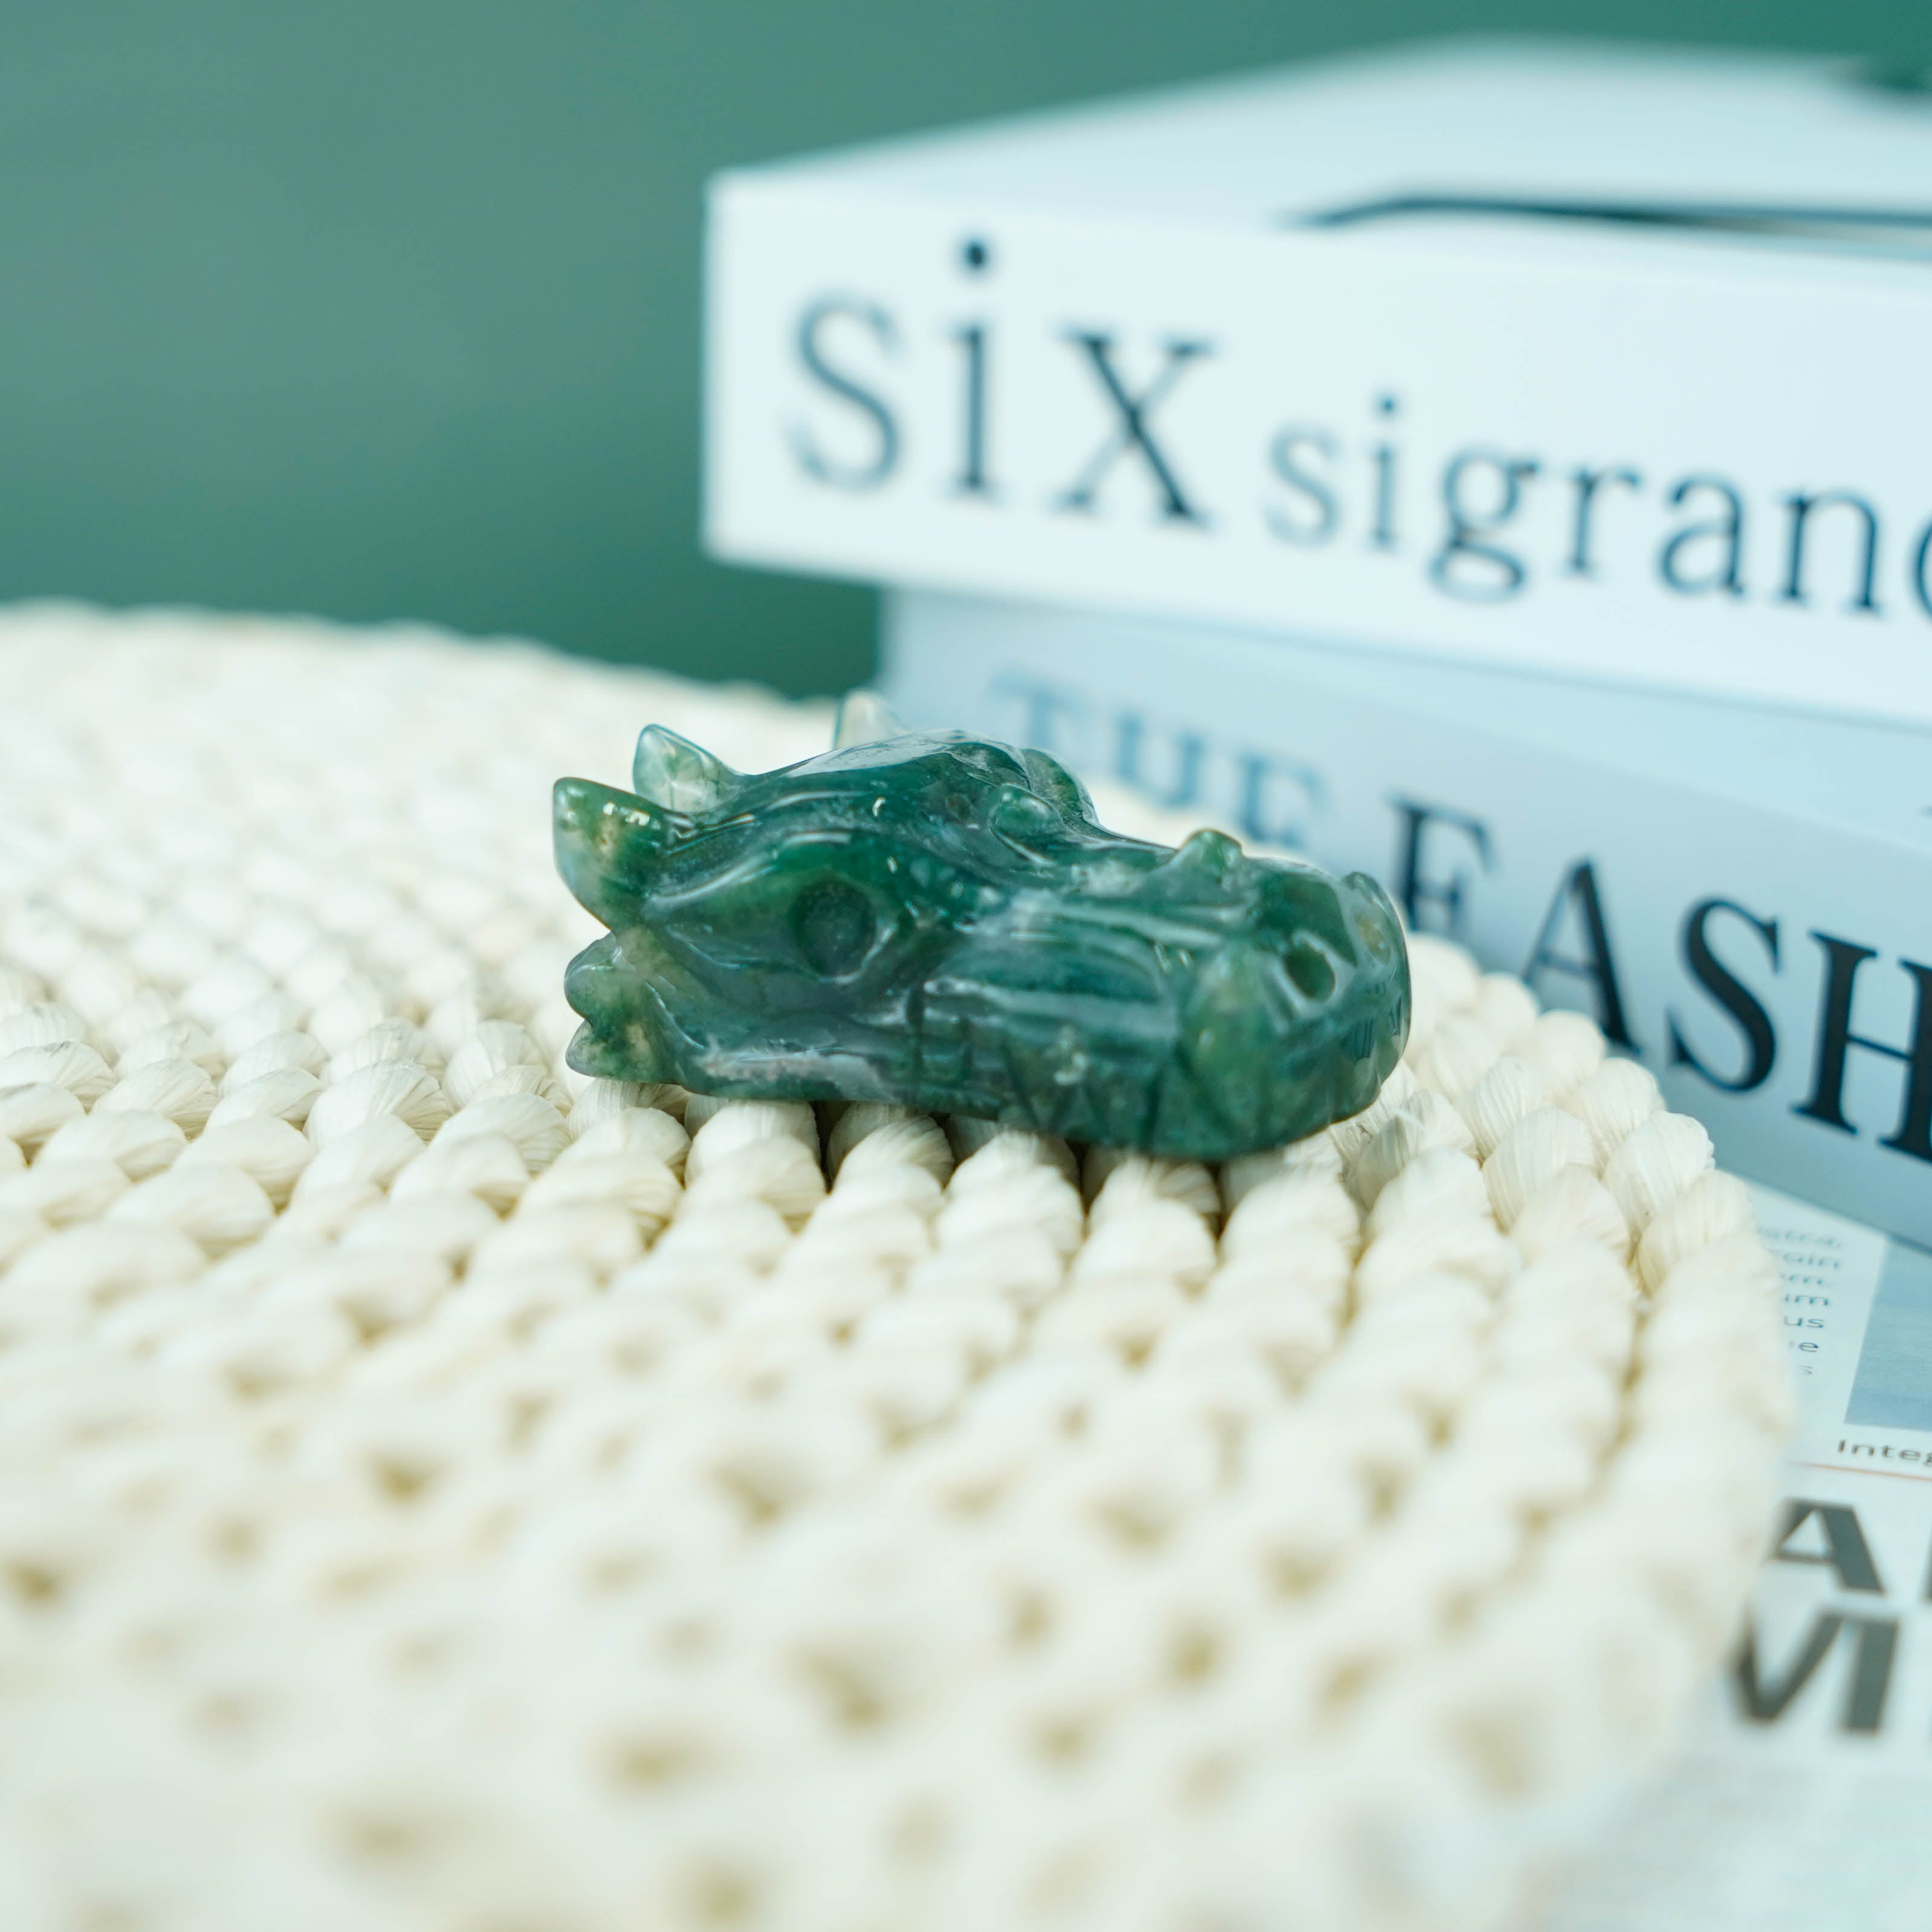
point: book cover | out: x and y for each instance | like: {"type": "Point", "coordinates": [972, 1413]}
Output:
{"type": "Point", "coordinates": [1607, 362]}
{"type": "Point", "coordinates": [1742, 900]}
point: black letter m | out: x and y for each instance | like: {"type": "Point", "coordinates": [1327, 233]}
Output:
{"type": "Point", "coordinates": [1764, 1698]}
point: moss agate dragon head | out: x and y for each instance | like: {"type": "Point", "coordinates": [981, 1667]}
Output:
{"type": "Point", "coordinates": [935, 920]}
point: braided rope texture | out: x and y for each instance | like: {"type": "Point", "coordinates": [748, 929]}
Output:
{"type": "Point", "coordinates": [439, 1493]}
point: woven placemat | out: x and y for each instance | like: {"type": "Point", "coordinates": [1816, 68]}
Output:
{"type": "Point", "coordinates": [438, 1492]}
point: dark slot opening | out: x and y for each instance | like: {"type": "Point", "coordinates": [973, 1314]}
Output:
{"type": "Point", "coordinates": [1769, 221]}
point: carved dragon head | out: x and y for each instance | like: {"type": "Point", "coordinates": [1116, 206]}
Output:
{"type": "Point", "coordinates": [930, 919]}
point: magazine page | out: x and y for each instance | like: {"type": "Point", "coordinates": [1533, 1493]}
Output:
{"type": "Point", "coordinates": [1801, 1797]}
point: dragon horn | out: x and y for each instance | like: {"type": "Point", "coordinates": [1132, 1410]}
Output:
{"type": "Point", "coordinates": [864, 717]}
{"type": "Point", "coordinates": [671, 771]}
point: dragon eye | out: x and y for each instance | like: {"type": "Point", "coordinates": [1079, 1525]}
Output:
{"type": "Point", "coordinates": [835, 926]}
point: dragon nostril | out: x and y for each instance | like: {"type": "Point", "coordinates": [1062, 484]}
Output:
{"type": "Point", "coordinates": [1310, 968]}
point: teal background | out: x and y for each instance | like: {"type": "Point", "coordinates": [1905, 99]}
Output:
{"type": "Point", "coordinates": [389, 307]}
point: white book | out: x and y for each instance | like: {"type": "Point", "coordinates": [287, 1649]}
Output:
{"type": "Point", "coordinates": [1605, 360]}
{"type": "Point", "coordinates": [1741, 897]}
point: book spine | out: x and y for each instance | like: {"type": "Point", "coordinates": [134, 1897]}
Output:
{"type": "Point", "coordinates": [1770, 968]}
{"type": "Point", "coordinates": [1708, 475]}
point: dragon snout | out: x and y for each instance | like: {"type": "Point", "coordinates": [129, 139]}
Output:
{"type": "Point", "coordinates": [1294, 1009]}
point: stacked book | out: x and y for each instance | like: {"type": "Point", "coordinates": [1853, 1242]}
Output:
{"type": "Point", "coordinates": [1502, 468]}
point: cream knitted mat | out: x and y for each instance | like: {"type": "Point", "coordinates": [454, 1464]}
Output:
{"type": "Point", "coordinates": [441, 1494]}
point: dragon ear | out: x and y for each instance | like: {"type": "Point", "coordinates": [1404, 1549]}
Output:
{"type": "Point", "coordinates": [864, 718]}
{"type": "Point", "coordinates": [1023, 819]}
{"type": "Point", "coordinates": [1052, 781]}
{"type": "Point", "coordinates": [607, 843]}
{"type": "Point", "coordinates": [671, 771]}
{"type": "Point", "coordinates": [1206, 854]}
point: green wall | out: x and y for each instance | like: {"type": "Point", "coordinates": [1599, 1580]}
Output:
{"type": "Point", "coordinates": [389, 307]}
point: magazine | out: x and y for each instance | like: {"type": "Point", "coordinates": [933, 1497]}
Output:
{"type": "Point", "coordinates": [1800, 1795]}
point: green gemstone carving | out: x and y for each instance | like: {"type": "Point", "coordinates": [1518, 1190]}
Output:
{"type": "Point", "coordinates": [935, 920]}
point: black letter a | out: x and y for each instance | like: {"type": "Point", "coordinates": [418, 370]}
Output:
{"type": "Point", "coordinates": [1579, 889]}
